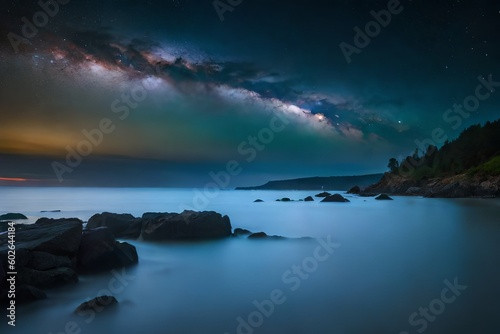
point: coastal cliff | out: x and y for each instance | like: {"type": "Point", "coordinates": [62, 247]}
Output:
{"type": "Point", "coordinates": [468, 166]}
{"type": "Point", "coordinates": [457, 186]}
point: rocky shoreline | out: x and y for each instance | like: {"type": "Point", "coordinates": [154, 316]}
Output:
{"type": "Point", "coordinates": [54, 252]}
{"type": "Point", "coordinates": [458, 186]}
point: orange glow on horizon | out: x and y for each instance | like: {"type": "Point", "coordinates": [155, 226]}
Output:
{"type": "Point", "coordinates": [13, 179]}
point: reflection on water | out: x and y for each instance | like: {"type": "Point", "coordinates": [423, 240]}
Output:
{"type": "Point", "coordinates": [392, 260]}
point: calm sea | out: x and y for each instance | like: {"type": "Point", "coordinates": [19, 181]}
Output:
{"type": "Point", "coordinates": [411, 265]}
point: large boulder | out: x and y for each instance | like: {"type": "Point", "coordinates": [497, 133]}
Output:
{"type": "Point", "coordinates": [99, 251]}
{"type": "Point", "coordinates": [308, 199]}
{"type": "Point", "coordinates": [323, 194]}
{"type": "Point", "coordinates": [335, 198]}
{"type": "Point", "coordinates": [58, 237]}
{"type": "Point", "coordinates": [46, 261]}
{"type": "Point", "coordinates": [122, 225]}
{"type": "Point", "coordinates": [153, 215]}
{"type": "Point", "coordinates": [187, 225]}
{"type": "Point", "coordinates": [47, 278]}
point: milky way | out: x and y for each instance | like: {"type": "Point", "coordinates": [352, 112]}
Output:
{"type": "Point", "coordinates": [211, 84]}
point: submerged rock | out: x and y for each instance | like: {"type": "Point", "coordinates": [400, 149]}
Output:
{"type": "Point", "coordinates": [285, 199]}
{"type": "Point", "coordinates": [335, 198]}
{"type": "Point", "coordinates": [383, 197]}
{"type": "Point", "coordinates": [258, 201]}
{"type": "Point", "coordinates": [97, 304]}
{"type": "Point", "coordinates": [309, 199]}
{"type": "Point", "coordinates": [187, 225]}
{"type": "Point", "coordinates": [323, 194]}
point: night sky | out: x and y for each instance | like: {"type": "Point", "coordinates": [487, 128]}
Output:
{"type": "Point", "coordinates": [170, 91]}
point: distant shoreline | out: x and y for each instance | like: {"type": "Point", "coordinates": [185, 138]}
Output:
{"type": "Point", "coordinates": [319, 183]}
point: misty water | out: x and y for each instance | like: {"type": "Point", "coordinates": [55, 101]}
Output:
{"type": "Point", "coordinates": [390, 259]}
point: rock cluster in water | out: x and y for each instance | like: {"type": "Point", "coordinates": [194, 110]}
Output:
{"type": "Point", "coordinates": [53, 252]}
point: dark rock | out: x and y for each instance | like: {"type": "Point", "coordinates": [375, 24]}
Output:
{"type": "Point", "coordinates": [383, 197]}
{"type": "Point", "coordinates": [12, 216]}
{"type": "Point", "coordinates": [262, 235]}
{"type": "Point", "coordinates": [58, 237]}
{"type": "Point", "coordinates": [2, 274]}
{"type": "Point", "coordinates": [335, 198]}
{"type": "Point", "coordinates": [53, 211]}
{"type": "Point", "coordinates": [154, 215]}
{"type": "Point", "coordinates": [258, 235]}
{"type": "Point", "coordinates": [356, 190]}
{"type": "Point", "coordinates": [28, 293]}
{"type": "Point", "coordinates": [119, 224]}
{"type": "Point", "coordinates": [45, 261]}
{"type": "Point", "coordinates": [50, 221]}
{"type": "Point", "coordinates": [456, 186]}
{"type": "Point", "coordinates": [99, 251]}
{"type": "Point", "coordinates": [285, 199]}
{"type": "Point", "coordinates": [187, 225]}
{"type": "Point", "coordinates": [413, 190]}
{"type": "Point", "coordinates": [323, 194]}
{"type": "Point", "coordinates": [4, 226]}
{"type": "Point", "coordinates": [3, 282]}
{"type": "Point", "coordinates": [258, 201]}
{"type": "Point", "coordinates": [241, 231]}
{"type": "Point", "coordinates": [46, 278]}
{"type": "Point", "coordinates": [133, 230]}
{"type": "Point", "coordinates": [23, 257]}
{"type": "Point", "coordinates": [309, 199]}
{"type": "Point", "coordinates": [96, 305]}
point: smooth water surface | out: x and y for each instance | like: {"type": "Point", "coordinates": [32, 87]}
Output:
{"type": "Point", "coordinates": [391, 259]}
